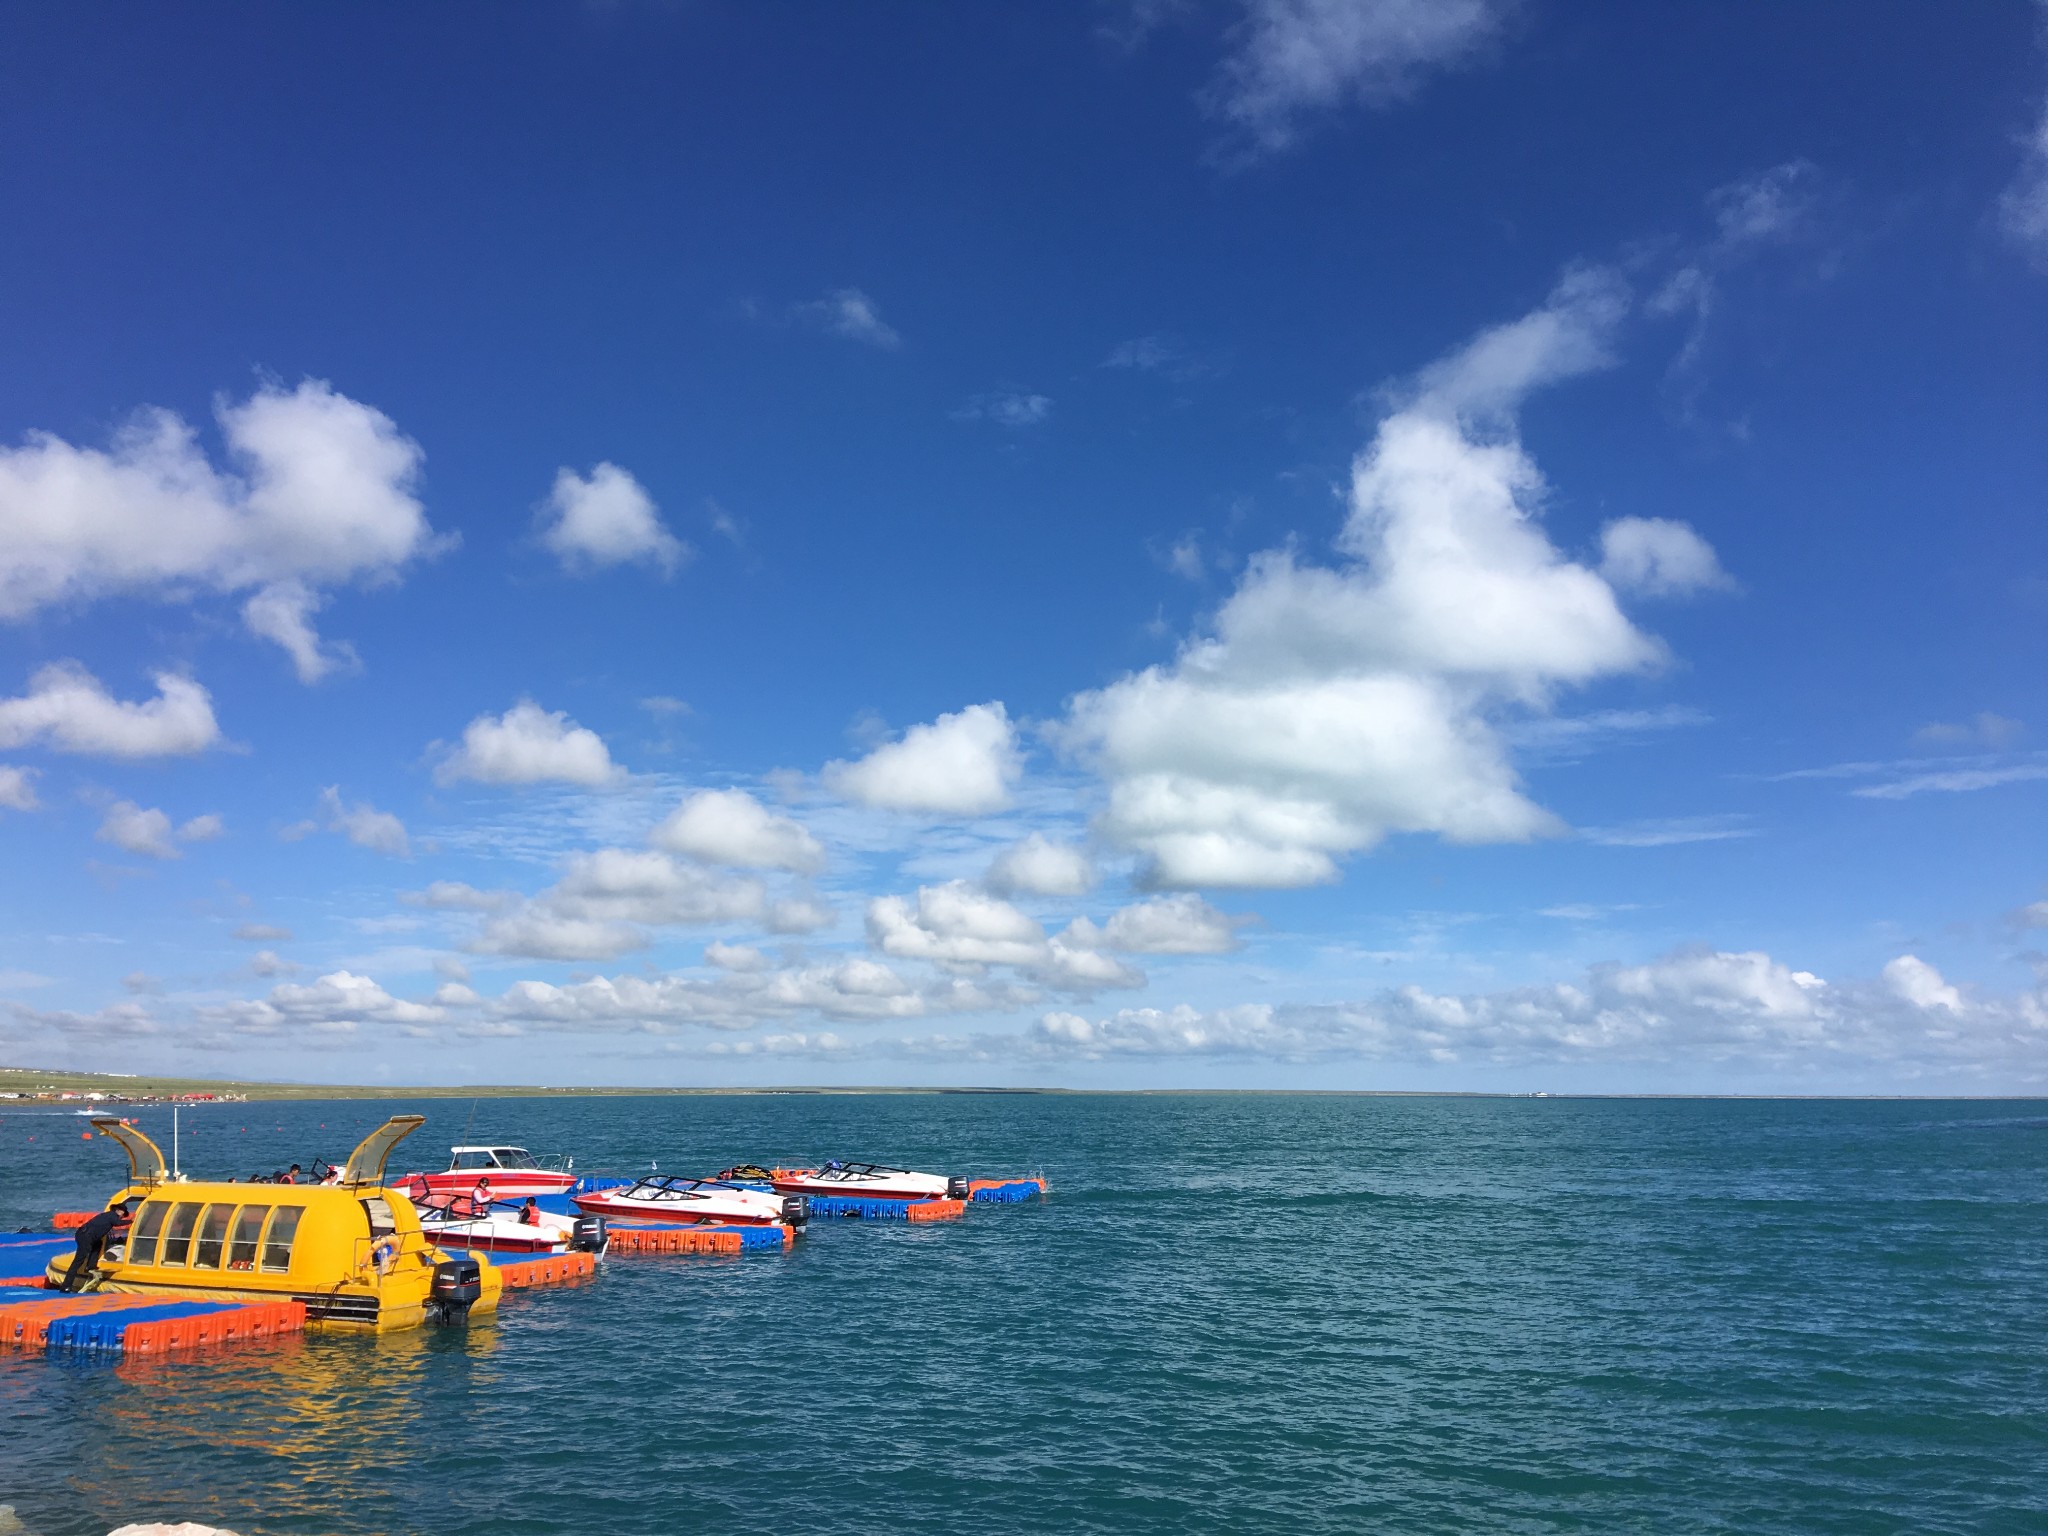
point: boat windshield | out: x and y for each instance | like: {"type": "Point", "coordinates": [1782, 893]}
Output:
{"type": "Point", "coordinates": [857, 1170]}
{"type": "Point", "coordinates": [668, 1187]}
{"type": "Point", "coordinates": [516, 1157]}
{"type": "Point", "coordinates": [470, 1159]}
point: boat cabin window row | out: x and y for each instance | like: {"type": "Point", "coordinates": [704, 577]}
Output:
{"type": "Point", "coordinates": [191, 1234]}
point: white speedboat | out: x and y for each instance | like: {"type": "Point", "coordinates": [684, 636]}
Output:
{"type": "Point", "coordinates": [869, 1181]}
{"type": "Point", "coordinates": [496, 1173]}
{"type": "Point", "coordinates": [671, 1197]}
{"type": "Point", "coordinates": [460, 1222]}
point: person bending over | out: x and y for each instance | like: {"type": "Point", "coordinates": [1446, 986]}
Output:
{"type": "Point", "coordinates": [92, 1240]}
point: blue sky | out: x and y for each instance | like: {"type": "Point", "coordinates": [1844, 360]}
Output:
{"type": "Point", "coordinates": [1265, 543]}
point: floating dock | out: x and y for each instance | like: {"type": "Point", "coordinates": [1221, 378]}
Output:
{"type": "Point", "coordinates": [854, 1208]}
{"type": "Point", "coordinates": [698, 1239]}
{"type": "Point", "coordinates": [34, 1320]}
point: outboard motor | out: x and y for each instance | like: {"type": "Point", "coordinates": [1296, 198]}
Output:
{"type": "Point", "coordinates": [457, 1285]}
{"type": "Point", "coordinates": [588, 1235]}
{"type": "Point", "coordinates": [796, 1209]}
{"type": "Point", "coordinates": [956, 1187]}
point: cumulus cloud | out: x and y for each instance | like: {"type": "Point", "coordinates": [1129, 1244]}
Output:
{"type": "Point", "coordinates": [145, 832]}
{"type": "Point", "coordinates": [1333, 706]}
{"type": "Point", "coordinates": [960, 926]}
{"type": "Point", "coordinates": [850, 314]}
{"type": "Point", "coordinates": [18, 788]}
{"type": "Point", "coordinates": [529, 745]}
{"type": "Point", "coordinates": [320, 494]}
{"type": "Point", "coordinates": [1038, 866]}
{"type": "Point", "coordinates": [1182, 924]}
{"type": "Point", "coordinates": [148, 832]}
{"type": "Point", "coordinates": [337, 1003]}
{"type": "Point", "coordinates": [283, 612]}
{"type": "Point", "coordinates": [1294, 59]}
{"type": "Point", "coordinates": [455, 895]}
{"type": "Point", "coordinates": [1691, 1005]}
{"type": "Point", "coordinates": [364, 825]}
{"type": "Point", "coordinates": [962, 764]}
{"type": "Point", "coordinates": [731, 827]}
{"type": "Point", "coordinates": [67, 710]}
{"type": "Point", "coordinates": [1657, 557]}
{"type": "Point", "coordinates": [854, 990]}
{"type": "Point", "coordinates": [607, 519]}
{"type": "Point", "coordinates": [606, 901]}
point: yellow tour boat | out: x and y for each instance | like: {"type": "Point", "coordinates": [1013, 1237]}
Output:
{"type": "Point", "coordinates": [351, 1250]}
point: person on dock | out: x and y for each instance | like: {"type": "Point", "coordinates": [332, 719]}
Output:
{"type": "Point", "coordinates": [93, 1237]}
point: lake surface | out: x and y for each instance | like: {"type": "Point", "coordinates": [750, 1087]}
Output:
{"type": "Point", "coordinates": [1297, 1314]}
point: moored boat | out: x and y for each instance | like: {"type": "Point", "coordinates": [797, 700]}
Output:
{"type": "Point", "coordinates": [868, 1181]}
{"type": "Point", "coordinates": [458, 1222]}
{"type": "Point", "coordinates": [672, 1197]}
{"type": "Point", "coordinates": [353, 1251]}
{"type": "Point", "coordinates": [506, 1173]}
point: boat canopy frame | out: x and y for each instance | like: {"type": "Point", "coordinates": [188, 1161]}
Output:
{"type": "Point", "coordinates": [145, 1157]}
{"type": "Point", "coordinates": [365, 1166]}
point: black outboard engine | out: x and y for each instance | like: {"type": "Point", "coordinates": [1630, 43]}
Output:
{"type": "Point", "coordinates": [457, 1285]}
{"type": "Point", "coordinates": [588, 1235]}
{"type": "Point", "coordinates": [796, 1209]}
{"type": "Point", "coordinates": [956, 1187]}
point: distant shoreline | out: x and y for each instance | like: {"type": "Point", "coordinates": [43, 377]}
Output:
{"type": "Point", "coordinates": [41, 1088]}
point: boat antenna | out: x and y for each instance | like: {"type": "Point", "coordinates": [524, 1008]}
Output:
{"type": "Point", "coordinates": [469, 1122]}
{"type": "Point", "coordinates": [174, 1142]}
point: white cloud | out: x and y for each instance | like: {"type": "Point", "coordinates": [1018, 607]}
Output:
{"type": "Point", "coordinates": [529, 745]}
{"type": "Point", "coordinates": [146, 832]}
{"type": "Point", "coordinates": [67, 709]}
{"type": "Point", "coordinates": [337, 1003]}
{"type": "Point", "coordinates": [1006, 408]}
{"type": "Point", "coordinates": [1333, 706]}
{"type": "Point", "coordinates": [1917, 982]}
{"type": "Point", "coordinates": [851, 314]}
{"type": "Point", "coordinates": [283, 612]}
{"type": "Point", "coordinates": [607, 519]}
{"type": "Point", "coordinates": [734, 957]}
{"type": "Point", "coordinates": [202, 829]}
{"type": "Point", "coordinates": [1953, 781]}
{"type": "Point", "coordinates": [1657, 557]}
{"type": "Point", "coordinates": [962, 764]}
{"type": "Point", "coordinates": [2023, 209]}
{"type": "Point", "coordinates": [1984, 729]}
{"type": "Point", "coordinates": [364, 825]}
{"type": "Point", "coordinates": [954, 923]}
{"type": "Point", "coordinates": [1692, 1005]}
{"type": "Point", "coordinates": [1669, 832]}
{"type": "Point", "coordinates": [1038, 866]}
{"type": "Point", "coordinates": [800, 914]}
{"type": "Point", "coordinates": [1182, 924]}
{"type": "Point", "coordinates": [266, 962]}
{"type": "Point", "coordinates": [959, 926]}
{"type": "Point", "coordinates": [2033, 915]}
{"type": "Point", "coordinates": [731, 827]}
{"type": "Point", "coordinates": [18, 789]}
{"type": "Point", "coordinates": [455, 895]}
{"type": "Point", "coordinates": [1296, 58]}
{"type": "Point", "coordinates": [323, 496]}
{"type": "Point", "coordinates": [1775, 204]}
{"type": "Point", "coordinates": [263, 933]}
{"type": "Point", "coordinates": [606, 900]}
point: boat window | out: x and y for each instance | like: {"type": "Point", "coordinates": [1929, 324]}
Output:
{"type": "Point", "coordinates": [466, 1161]}
{"type": "Point", "coordinates": [178, 1234]}
{"type": "Point", "coordinates": [379, 1212]}
{"type": "Point", "coordinates": [149, 1225]}
{"type": "Point", "coordinates": [516, 1157]}
{"type": "Point", "coordinates": [242, 1240]}
{"type": "Point", "coordinates": [277, 1242]}
{"type": "Point", "coordinates": [213, 1235]}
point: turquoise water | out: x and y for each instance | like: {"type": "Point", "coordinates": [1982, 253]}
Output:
{"type": "Point", "coordinates": [1296, 1314]}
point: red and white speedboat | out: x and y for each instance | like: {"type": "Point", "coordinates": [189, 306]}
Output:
{"type": "Point", "coordinates": [869, 1181]}
{"type": "Point", "coordinates": [459, 1222]}
{"type": "Point", "coordinates": [506, 1173]}
{"type": "Point", "coordinates": [671, 1197]}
